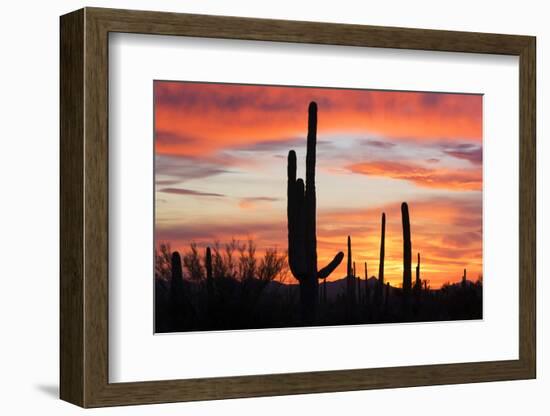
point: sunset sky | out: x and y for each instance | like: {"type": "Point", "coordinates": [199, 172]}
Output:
{"type": "Point", "coordinates": [220, 160]}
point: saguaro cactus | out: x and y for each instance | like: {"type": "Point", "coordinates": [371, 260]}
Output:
{"type": "Point", "coordinates": [380, 285]}
{"type": "Point", "coordinates": [301, 217]}
{"type": "Point", "coordinates": [209, 278]}
{"type": "Point", "coordinates": [464, 280]}
{"type": "Point", "coordinates": [350, 280]}
{"type": "Point", "coordinates": [407, 275]}
{"type": "Point", "coordinates": [382, 250]}
{"type": "Point", "coordinates": [176, 282]}
{"type": "Point", "coordinates": [418, 282]}
{"type": "Point", "coordinates": [176, 292]}
{"type": "Point", "coordinates": [358, 284]}
{"type": "Point", "coordinates": [387, 296]}
{"type": "Point", "coordinates": [367, 294]}
{"type": "Point", "coordinates": [350, 267]}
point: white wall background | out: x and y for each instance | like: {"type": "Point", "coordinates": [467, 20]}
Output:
{"type": "Point", "coordinates": [29, 208]}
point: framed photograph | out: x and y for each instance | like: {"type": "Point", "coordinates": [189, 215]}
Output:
{"type": "Point", "coordinates": [255, 207]}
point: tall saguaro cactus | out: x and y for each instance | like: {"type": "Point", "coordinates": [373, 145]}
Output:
{"type": "Point", "coordinates": [302, 229]}
{"type": "Point", "coordinates": [367, 294]}
{"type": "Point", "coordinates": [382, 249]}
{"type": "Point", "coordinates": [380, 285]}
{"type": "Point", "coordinates": [407, 254]}
{"type": "Point", "coordinates": [350, 267]}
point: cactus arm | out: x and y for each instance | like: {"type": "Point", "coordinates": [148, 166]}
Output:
{"type": "Point", "coordinates": [291, 198]}
{"type": "Point", "coordinates": [329, 268]}
{"type": "Point", "coordinates": [296, 229]}
{"type": "Point", "coordinates": [292, 210]}
{"type": "Point", "coordinates": [291, 170]}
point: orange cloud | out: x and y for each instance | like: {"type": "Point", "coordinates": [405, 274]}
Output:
{"type": "Point", "coordinates": [252, 203]}
{"type": "Point", "coordinates": [453, 179]}
{"type": "Point", "coordinates": [194, 119]}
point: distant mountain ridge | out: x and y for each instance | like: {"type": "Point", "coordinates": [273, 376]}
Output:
{"type": "Point", "coordinates": [334, 287]}
{"type": "Point", "coordinates": [338, 287]}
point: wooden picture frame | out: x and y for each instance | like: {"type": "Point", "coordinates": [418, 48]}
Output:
{"type": "Point", "coordinates": [84, 207]}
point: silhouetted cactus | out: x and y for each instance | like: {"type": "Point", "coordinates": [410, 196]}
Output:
{"type": "Point", "coordinates": [209, 278]}
{"type": "Point", "coordinates": [301, 217]}
{"type": "Point", "coordinates": [350, 267]}
{"type": "Point", "coordinates": [464, 280]}
{"type": "Point", "coordinates": [176, 282]}
{"type": "Point", "coordinates": [358, 286]}
{"type": "Point", "coordinates": [350, 280]}
{"type": "Point", "coordinates": [367, 291]}
{"type": "Point", "coordinates": [407, 275]}
{"type": "Point", "coordinates": [357, 282]}
{"type": "Point", "coordinates": [176, 291]}
{"type": "Point", "coordinates": [208, 263]}
{"type": "Point", "coordinates": [380, 285]}
{"type": "Point", "coordinates": [325, 290]}
{"type": "Point", "coordinates": [418, 281]}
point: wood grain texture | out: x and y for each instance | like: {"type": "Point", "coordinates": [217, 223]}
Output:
{"type": "Point", "coordinates": [71, 208]}
{"type": "Point", "coordinates": [527, 207]}
{"type": "Point", "coordinates": [84, 207]}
